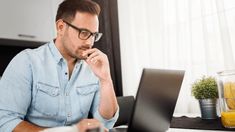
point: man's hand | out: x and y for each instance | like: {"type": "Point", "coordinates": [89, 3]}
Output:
{"type": "Point", "coordinates": [98, 62]}
{"type": "Point", "coordinates": [87, 125]}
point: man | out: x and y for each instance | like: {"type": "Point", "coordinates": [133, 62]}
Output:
{"type": "Point", "coordinates": [59, 83]}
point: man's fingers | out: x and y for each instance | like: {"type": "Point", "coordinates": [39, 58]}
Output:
{"type": "Point", "coordinates": [93, 124]}
{"type": "Point", "coordinates": [88, 52]}
{"type": "Point", "coordinates": [95, 59]}
{"type": "Point", "coordinates": [88, 124]}
{"type": "Point", "coordinates": [91, 56]}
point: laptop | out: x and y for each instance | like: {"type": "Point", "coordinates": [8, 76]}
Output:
{"type": "Point", "coordinates": [155, 101]}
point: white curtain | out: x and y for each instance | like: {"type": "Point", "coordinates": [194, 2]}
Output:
{"type": "Point", "coordinates": [193, 35]}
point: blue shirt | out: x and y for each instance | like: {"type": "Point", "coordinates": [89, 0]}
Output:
{"type": "Point", "coordinates": [35, 87]}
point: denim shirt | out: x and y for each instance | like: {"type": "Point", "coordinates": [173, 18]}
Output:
{"type": "Point", "coordinates": [35, 87]}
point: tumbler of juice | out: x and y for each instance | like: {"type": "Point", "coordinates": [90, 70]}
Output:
{"type": "Point", "coordinates": [226, 88]}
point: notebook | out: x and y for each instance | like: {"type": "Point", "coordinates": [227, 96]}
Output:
{"type": "Point", "coordinates": [155, 101]}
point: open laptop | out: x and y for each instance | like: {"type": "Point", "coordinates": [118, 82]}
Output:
{"type": "Point", "coordinates": [155, 101]}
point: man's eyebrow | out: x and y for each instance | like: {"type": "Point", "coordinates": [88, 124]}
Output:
{"type": "Point", "coordinates": [85, 29]}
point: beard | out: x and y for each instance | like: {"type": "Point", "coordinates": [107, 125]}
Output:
{"type": "Point", "coordinates": [73, 50]}
{"type": "Point", "coordinates": [76, 52]}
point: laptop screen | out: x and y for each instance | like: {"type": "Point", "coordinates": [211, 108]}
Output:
{"type": "Point", "coordinates": [156, 99]}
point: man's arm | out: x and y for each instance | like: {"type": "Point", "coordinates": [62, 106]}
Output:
{"type": "Point", "coordinates": [108, 102]}
{"type": "Point", "coordinates": [99, 64]}
{"type": "Point", "coordinates": [15, 92]}
{"type": "Point", "coordinates": [25, 126]}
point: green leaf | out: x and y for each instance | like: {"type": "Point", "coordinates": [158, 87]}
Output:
{"type": "Point", "coordinates": [205, 88]}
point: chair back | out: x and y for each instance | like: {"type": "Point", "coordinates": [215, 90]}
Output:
{"type": "Point", "coordinates": [126, 104]}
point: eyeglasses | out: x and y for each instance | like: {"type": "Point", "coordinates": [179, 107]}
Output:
{"type": "Point", "coordinates": [84, 34]}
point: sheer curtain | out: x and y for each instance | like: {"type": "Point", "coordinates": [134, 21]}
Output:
{"type": "Point", "coordinates": [194, 35]}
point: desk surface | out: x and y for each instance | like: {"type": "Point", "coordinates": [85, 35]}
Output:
{"type": "Point", "coordinates": [198, 124]}
{"type": "Point", "coordinates": [191, 130]}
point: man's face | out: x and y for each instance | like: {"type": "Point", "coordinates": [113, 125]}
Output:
{"type": "Point", "coordinates": [72, 43]}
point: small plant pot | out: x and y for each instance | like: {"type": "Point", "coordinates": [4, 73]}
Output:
{"type": "Point", "coordinates": [208, 108]}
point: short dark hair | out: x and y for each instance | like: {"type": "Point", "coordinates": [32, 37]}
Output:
{"type": "Point", "coordinates": [68, 9]}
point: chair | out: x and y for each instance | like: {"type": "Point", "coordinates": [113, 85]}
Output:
{"type": "Point", "coordinates": [126, 104]}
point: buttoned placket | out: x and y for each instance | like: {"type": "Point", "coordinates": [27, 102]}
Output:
{"type": "Point", "coordinates": [68, 103]}
{"type": "Point", "coordinates": [68, 87]}
{"type": "Point", "coordinates": [64, 81]}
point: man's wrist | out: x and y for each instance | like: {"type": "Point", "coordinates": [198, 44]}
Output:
{"type": "Point", "coordinates": [107, 80]}
{"type": "Point", "coordinates": [106, 84]}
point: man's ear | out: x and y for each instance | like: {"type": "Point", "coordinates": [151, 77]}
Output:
{"type": "Point", "coordinates": [60, 27]}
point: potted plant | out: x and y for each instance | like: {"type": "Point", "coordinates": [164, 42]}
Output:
{"type": "Point", "coordinates": [205, 90]}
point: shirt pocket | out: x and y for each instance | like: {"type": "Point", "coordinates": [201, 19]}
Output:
{"type": "Point", "coordinates": [47, 99]}
{"type": "Point", "coordinates": [86, 95]}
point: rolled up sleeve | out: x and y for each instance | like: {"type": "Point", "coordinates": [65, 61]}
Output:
{"type": "Point", "coordinates": [15, 92]}
{"type": "Point", "coordinates": [107, 123]}
{"type": "Point", "coordinates": [8, 121]}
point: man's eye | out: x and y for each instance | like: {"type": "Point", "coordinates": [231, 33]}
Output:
{"type": "Point", "coordinates": [84, 34]}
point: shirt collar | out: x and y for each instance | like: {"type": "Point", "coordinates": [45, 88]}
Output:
{"type": "Point", "coordinates": [58, 57]}
{"type": "Point", "coordinates": [55, 52]}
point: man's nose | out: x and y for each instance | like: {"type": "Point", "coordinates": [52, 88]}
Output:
{"type": "Point", "coordinates": [90, 41]}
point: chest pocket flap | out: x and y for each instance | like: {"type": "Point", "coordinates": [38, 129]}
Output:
{"type": "Point", "coordinates": [87, 89]}
{"type": "Point", "coordinates": [86, 94]}
{"type": "Point", "coordinates": [50, 90]}
{"type": "Point", "coordinates": [46, 100]}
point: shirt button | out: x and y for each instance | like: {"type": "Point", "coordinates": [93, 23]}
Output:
{"type": "Point", "coordinates": [66, 73]}
{"type": "Point", "coordinates": [69, 114]}
{"type": "Point", "coordinates": [67, 94]}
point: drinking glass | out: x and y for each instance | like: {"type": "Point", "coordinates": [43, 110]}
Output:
{"type": "Point", "coordinates": [226, 89]}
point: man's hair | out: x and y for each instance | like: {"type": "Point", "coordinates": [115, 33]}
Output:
{"type": "Point", "coordinates": [68, 9]}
